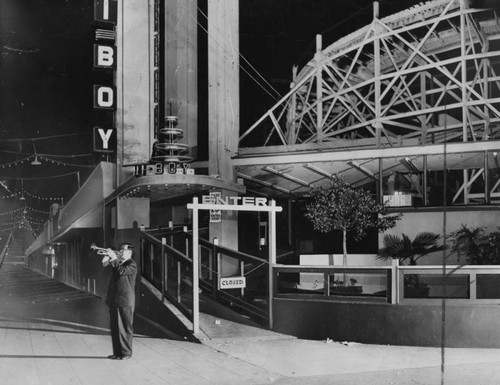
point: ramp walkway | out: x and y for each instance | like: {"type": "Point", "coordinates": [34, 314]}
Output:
{"type": "Point", "coordinates": [54, 334]}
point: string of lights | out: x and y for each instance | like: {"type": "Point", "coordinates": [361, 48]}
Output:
{"type": "Point", "coordinates": [63, 163]}
{"type": "Point", "coordinates": [20, 195]}
{"type": "Point", "coordinates": [49, 155]}
{"type": "Point", "coordinates": [37, 158]}
{"type": "Point", "coordinates": [42, 137]}
{"type": "Point", "coordinates": [20, 226]}
{"type": "Point", "coordinates": [32, 221]}
{"type": "Point", "coordinates": [16, 163]}
{"type": "Point", "coordinates": [15, 222]}
{"type": "Point", "coordinates": [8, 196]}
{"type": "Point", "coordinates": [36, 210]}
{"type": "Point", "coordinates": [38, 221]}
{"type": "Point", "coordinates": [11, 211]}
{"type": "Point", "coordinates": [41, 198]}
{"type": "Point", "coordinates": [40, 177]}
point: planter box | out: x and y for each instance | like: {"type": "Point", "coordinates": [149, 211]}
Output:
{"type": "Point", "coordinates": [346, 290]}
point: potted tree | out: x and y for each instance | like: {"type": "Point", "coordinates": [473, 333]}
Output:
{"type": "Point", "coordinates": [339, 206]}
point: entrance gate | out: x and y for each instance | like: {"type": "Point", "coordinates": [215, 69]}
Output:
{"type": "Point", "coordinates": [247, 204]}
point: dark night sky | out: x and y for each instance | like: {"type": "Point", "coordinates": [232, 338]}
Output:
{"type": "Point", "coordinates": [46, 74]}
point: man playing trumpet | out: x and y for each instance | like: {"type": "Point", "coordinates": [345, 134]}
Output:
{"type": "Point", "coordinates": [121, 298]}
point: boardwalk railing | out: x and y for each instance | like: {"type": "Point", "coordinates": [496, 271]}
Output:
{"type": "Point", "coordinates": [5, 249]}
{"type": "Point", "coordinates": [352, 283]}
{"type": "Point", "coordinates": [166, 263]}
{"type": "Point", "coordinates": [169, 270]}
{"type": "Point", "coordinates": [395, 284]}
{"type": "Point", "coordinates": [469, 284]}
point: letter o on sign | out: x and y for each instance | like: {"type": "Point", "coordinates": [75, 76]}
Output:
{"type": "Point", "coordinates": [104, 97]}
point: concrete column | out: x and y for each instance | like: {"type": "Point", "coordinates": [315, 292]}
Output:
{"type": "Point", "coordinates": [134, 83]}
{"type": "Point", "coordinates": [181, 68]}
{"type": "Point", "coordinates": [224, 111]}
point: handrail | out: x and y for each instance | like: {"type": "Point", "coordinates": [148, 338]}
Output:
{"type": "Point", "coordinates": [396, 282]}
{"type": "Point", "coordinates": [232, 253]}
{"type": "Point", "coordinates": [449, 267]}
{"type": "Point", "coordinates": [309, 268]}
{"type": "Point", "coordinates": [5, 248]}
{"type": "Point", "coordinates": [170, 249]}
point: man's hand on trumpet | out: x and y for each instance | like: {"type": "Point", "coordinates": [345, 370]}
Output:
{"type": "Point", "coordinates": [109, 257]}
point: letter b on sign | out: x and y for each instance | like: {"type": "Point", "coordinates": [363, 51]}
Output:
{"type": "Point", "coordinates": [104, 56]}
{"type": "Point", "coordinates": [104, 97]}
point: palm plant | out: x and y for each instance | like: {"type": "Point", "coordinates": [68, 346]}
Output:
{"type": "Point", "coordinates": [476, 246]}
{"type": "Point", "coordinates": [408, 251]}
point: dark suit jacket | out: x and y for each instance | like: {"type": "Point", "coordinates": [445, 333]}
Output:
{"type": "Point", "coordinates": [121, 289]}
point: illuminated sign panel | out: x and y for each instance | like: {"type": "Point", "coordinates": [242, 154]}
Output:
{"type": "Point", "coordinates": [104, 56]}
{"type": "Point", "coordinates": [105, 11]}
{"type": "Point", "coordinates": [244, 201]}
{"type": "Point", "coordinates": [104, 95]}
{"type": "Point", "coordinates": [104, 140]}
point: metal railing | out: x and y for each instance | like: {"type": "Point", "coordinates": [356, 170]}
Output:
{"type": "Point", "coordinates": [471, 284]}
{"type": "Point", "coordinates": [352, 283]}
{"type": "Point", "coordinates": [167, 264]}
{"type": "Point", "coordinates": [250, 300]}
{"type": "Point", "coordinates": [459, 284]}
{"type": "Point", "coordinates": [5, 249]}
{"type": "Point", "coordinates": [168, 270]}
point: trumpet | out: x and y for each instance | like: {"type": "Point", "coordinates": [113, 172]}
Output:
{"type": "Point", "coordinates": [101, 250]}
{"type": "Point", "coordinates": [107, 258]}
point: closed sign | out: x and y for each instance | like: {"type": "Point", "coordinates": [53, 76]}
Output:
{"type": "Point", "coordinates": [232, 283]}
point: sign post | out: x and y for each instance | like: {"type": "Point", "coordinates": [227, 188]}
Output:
{"type": "Point", "coordinates": [196, 290]}
{"type": "Point", "coordinates": [232, 204]}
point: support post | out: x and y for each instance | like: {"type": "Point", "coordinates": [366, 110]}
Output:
{"type": "Point", "coordinates": [394, 282]}
{"type": "Point", "coordinates": [163, 267]}
{"type": "Point", "coordinates": [319, 89]}
{"type": "Point", "coordinates": [218, 267]}
{"type": "Point", "coordinates": [196, 292]}
{"type": "Point", "coordinates": [424, 183]}
{"type": "Point", "coordinates": [487, 196]}
{"type": "Point", "coordinates": [377, 81]}
{"type": "Point", "coordinates": [272, 260]}
{"type": "Point", "coordinates": [380, 182]}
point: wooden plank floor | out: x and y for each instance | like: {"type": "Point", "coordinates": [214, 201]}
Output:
{"type": "Point", "coordinates": [51, 334]}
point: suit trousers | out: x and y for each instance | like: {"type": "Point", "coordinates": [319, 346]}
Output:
{"type": "Point", "coordinates": [121, 320]}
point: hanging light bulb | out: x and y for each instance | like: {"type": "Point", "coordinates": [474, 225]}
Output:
{"type": "Point", "coordinates": [36, 162]}
{"type": "Point", "coordinates": [22, 191]}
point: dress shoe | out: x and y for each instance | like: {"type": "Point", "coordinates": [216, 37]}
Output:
{"type": "Point", "coordinates": [125, 357]}
{"type": "Point", "coordinates": [114, 357]}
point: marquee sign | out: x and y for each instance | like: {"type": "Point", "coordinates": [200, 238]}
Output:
{"type": "Point", "coordinates": [217, 199]}
{"type": "Point", "coordinates": [104, 95]}
{"type": "Point", "coordinates": [148, 169]}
